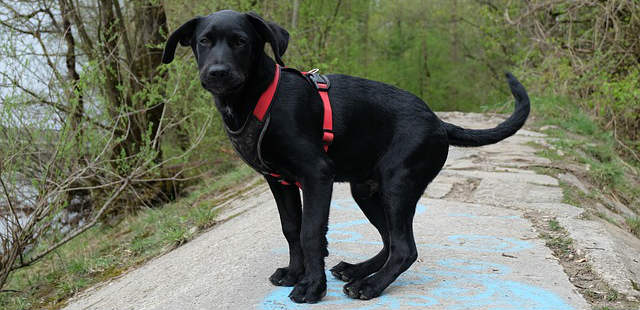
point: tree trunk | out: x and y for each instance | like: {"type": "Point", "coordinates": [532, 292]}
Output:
{"type": "Point", "coordinates": [150, 22]}
{"type": "Point", "coordinates": [126, 82]}
{"type": "Point", "coordinates": [109, 54]}
{"type": "Point", "coordinates": [455, 47]}
{"type": "Point", "coordinates": [365, 39]}
{"type": "Point", "coordinates": [75, 96]}
{"type": "Point", "coordinates": [294, 14]}
{"type": "Point", "coordinates": [425, 74]}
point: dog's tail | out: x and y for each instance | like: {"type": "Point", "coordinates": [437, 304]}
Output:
{"type": "Point", "coordinates": [459, 136]}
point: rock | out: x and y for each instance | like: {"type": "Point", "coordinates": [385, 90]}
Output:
{"type": "Point", "coordinates": [438, 189]}
{"type": "Point", "coordinates": [573, 180]}
{"type": "Point", "coordinates": [608, 256]}
{"type": "Point", "coordinates": [508, 192]}
{"type": "Point", "coordinates": [555, 209]}
{"type": "Point", "coordinates": [548, 127]}
{"type": "Point", "coordinates": [510, 177]}
{"type": "Point", "coordinates": [621, 208]}
{"type": "Point", "coordinates": [528, 133]}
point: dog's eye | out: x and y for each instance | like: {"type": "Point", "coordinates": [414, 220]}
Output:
{"type": "Point", "coordinates": [239, 41]}
{"type": "Point", "coordinates": [204, 41]}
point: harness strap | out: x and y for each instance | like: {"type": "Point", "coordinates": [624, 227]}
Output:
{"type": "Point", "coordinates": [282, 181]}
{"type": "Point", "coordinates": [327, 122]}
{"type": "Point", "coordinates": [322, 86]}
{"type": "Point", "coordinates": [265, 99]}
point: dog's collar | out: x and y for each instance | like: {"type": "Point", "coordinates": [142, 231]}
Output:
{"type": "Point", "coordinates": [267, 96]}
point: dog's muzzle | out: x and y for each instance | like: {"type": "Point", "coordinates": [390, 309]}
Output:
{"type": "Point", "coordinates": [220, 80]}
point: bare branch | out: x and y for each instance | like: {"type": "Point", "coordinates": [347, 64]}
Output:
{"type": "Point", "coordinates": [78, 231]}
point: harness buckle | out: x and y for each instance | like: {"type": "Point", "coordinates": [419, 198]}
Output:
{"type": "Point", "coordinates": [320, 81]}
{"type": "Point", "coordinates": [327, 136]}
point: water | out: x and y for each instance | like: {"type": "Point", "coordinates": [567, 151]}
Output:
{"type": "Point", "coordinates": [24, 195]}
{"type": "Point", "coordinates": [4, 226]}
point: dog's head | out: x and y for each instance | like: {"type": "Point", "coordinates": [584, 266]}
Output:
{"type": "Point", "coordinates": [226, 45]}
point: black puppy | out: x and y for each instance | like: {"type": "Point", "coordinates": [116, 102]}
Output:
{"type": "Point", "coordinates": [388, 144]}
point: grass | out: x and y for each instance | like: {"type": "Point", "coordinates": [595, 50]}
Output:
{"type": "Point", "coordinates": [560, 244]}
{"type": "Point", "coordinates": [607, 218]}
{"type": "Point", "coordinates": [572, 195]}
{"type": "Point", "coordinates": [556, 238]}
{"type": "Point", "coordinates": [554, 225]}
{"type": "Point", "coordinates": [579, 140]}
{"type": "Point", "coordinates": [595, 291]}
{"type": "Point", "coordinates": [105, 251]}
{"type": "Point", "coordinates": [612, 295]}
{"type": "Point", "coordinates": [634, 225]}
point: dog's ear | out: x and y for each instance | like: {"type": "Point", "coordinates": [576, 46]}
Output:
{"type": "Point", "coordinates": [183, 35]}
{"type": "Point", "coordinates": [270, 32]}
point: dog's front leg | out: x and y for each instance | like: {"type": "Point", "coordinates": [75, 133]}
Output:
{"type": "Point", "coordinates": [316, 189]}
{"type": "Point", "coordinates": [290, 209]}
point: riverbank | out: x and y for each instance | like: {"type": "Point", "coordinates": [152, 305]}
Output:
{"type": "Point", "coordinates": [109, 249]}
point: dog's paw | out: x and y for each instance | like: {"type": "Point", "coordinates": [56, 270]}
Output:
{"type": "Point", "coordinates": [362, 289]}
{"type": "Point", "coordinates": [285, 277]}
{"type": "Point", "coordinates": [347, 272]}
{"type": "Point", "coordinates": [309, 290]}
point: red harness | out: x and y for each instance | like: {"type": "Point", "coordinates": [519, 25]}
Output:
{"type": "Point", "coordinates": [322, 86]}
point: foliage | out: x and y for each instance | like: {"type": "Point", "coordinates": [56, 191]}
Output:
{"type": "Point", "coordinates": [405, 43]}
{"type": "Point", "coordinates": [589, 51]}
{"type": "Point", "coordinates": [83, 121]}
{"type": "Point", "coordinates": [584, 142]}
{"type": "Point", "coordinates": [634, 225]}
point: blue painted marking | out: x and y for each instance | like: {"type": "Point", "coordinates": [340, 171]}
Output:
{"type": "Point", "coordinates": [455, 284]}
{"type": "Point", "coordinates": [475, 243]}
{"type": "Point", "coordinates": [344, 204]}
{"type": "Point", "coordinates": [419, 301]}
{"type": "Point", "coordinates": [350, 205]}
{"type": "Point", "coordinates": [347, 224]}
{"type": "Point", "coordinates": [282, 250]}
{"type": "Point", "coordinates": [278, 299]}
{"type": "Point", "coordinates": [449, 289]}
{"type": "Point", "coordinates": [469, 290]}
{"type": "Point", "coordinates": [412, 278]}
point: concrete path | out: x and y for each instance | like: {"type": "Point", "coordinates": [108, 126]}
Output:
{"type": "Point", "coordinates": [477, 250]}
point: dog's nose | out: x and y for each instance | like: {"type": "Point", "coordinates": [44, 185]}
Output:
{"type": "Point", "coordinates": [218, 71]}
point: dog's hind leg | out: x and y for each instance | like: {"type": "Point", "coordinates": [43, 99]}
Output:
{"type": "Point", "coordinates": [403, 181]}
{"type": "Point", "coordinates": [399, 208]}
{"type": "Point", "coordinates": [368, 198]}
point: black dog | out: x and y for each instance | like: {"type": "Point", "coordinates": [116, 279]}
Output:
{"type": "Point", "coordinates": [388, 144]}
